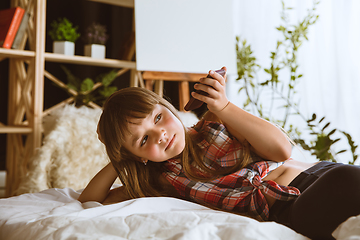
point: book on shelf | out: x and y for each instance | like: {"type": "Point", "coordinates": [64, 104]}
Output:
{"type": "Point", "coordinates": [21, 31]}
{"type": "Point", "coordinates": [10, 20]}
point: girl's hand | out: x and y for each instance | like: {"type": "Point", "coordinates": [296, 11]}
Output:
{"type": "Point", "coordinates": [265, 139]}
{"type": "Point", "coordinates": [215, 87]}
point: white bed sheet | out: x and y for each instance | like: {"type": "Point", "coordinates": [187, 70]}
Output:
{"type": "Point", "coordinates": [56, 214]}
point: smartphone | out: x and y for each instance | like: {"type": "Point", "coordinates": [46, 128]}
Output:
{"type": "Point", "coordinates": [195, 103]}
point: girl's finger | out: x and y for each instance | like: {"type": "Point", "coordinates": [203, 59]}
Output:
{"type": "Point", "coordinates": [212, 82]}
{"type": "Point", "coordinates": [225, 69]}
{"type": "Point", "coordinates": [217, 76]}
{"type": "Point", "coordinates": [206, 88]}
{"type": "Point", "coordinates": [199, 96]}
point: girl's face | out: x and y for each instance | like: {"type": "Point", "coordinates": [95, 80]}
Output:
{"type": "Point", "coordinates": [158, 137]}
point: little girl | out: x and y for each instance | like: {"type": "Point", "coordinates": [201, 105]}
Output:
{"type": "Point", "coordinates": [238, 163]}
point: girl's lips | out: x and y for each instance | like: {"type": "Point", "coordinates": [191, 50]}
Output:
{"type": "Point", "coordinates": [171, 142]}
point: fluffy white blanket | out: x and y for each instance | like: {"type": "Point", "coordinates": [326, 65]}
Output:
{"type": "Point", "coordinates": [56, 214]}
{"type": "Point", "coordinates": [70, 155]}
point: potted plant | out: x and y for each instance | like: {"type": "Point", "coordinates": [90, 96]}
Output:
{"type": "Point", "coordinates": [89, 90]}
{"type": "Point", "coordinates": [64, 35]}
{"type": "Point", "coordinates": [95, 38]}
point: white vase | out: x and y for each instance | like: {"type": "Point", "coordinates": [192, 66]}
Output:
{"type": "Point", "coordinates": [95, 51]}
{"type": "Point", "coordinates": [64, 47]}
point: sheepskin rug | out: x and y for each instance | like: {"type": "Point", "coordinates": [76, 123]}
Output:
{"type": "Point", "coordinates": [71, 153]}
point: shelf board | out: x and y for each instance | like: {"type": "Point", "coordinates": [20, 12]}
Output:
{"type": "Point", "coordinates": [113, 63]}
{"type": "Point", "coordinates": [121, 3]}
{"type": "Point", "coordinates": [14, 53]}
{"type": "Point", "coordinates": [13, 129]}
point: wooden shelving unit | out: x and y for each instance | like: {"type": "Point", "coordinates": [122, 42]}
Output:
{"type": "Point", "coordinates": [14, 129]}
{"type": "Point", "coordinates": [12, 53]}
{"type": "Point", "coordinates": [52, 57]}
{"type": "Point", "coordinates": [26, 88]}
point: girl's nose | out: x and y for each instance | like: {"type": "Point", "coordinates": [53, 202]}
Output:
{"type": "Point", "coordinates": [161, 136]}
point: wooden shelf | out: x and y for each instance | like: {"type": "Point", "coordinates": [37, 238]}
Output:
{"type": "Point", "coordinates": [52, 57]}
{"type": "Point", "coordinates": [12, 129]}
{"type": "Point", "coordinates": [26, 88]}
{"type": "Point", "coordinates": [14, 53]}
{"type": "Point", "coordinates": [121, 3]}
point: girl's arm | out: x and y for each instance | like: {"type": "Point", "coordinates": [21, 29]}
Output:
{"type": "Point", "coordinates": [266, 139]}
{"type": "Point", "coordinates": [99, 187]}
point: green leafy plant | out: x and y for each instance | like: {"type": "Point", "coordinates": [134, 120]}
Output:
{"type": "Point", "coordinates": [283, 92]}
{"type": "Point", "coordinates": [96, 34]}
{"type": "Point", "coordinates": [89, 90]}
{"type": "Point", "coordinates": [63, 30]}
{"type": "Point", "coordinates": [353, 147]}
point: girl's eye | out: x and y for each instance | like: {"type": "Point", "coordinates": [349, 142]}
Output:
{"type": "Point", "coordinates": [158, 117]}
{"type": "Point", "coordinates": [143, 141]}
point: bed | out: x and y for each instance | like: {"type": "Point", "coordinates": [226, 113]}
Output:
{"type": "Point", "coordinates": [56, 214]}
{"type": "Point", "coordinates": [47, 206]}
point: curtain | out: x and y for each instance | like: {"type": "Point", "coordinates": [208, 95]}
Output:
{"type": "Point", "coordinates": [329, 60]}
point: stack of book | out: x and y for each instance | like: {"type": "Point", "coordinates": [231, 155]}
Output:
{"type": "Point", "coordinates": [13, 27]}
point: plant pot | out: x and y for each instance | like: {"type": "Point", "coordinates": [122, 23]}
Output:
{"type": "Point", "coordinates": [64, 47]}
{"type": "Point", "coordinates": [95, 51]}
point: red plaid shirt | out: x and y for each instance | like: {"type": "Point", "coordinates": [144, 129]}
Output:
{"type": "Point", "coordinates": [239, 191]}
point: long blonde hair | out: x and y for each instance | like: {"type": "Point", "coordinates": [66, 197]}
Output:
{"type": "Point", "coordinates": [138, 179]}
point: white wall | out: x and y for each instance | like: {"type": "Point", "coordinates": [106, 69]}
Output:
{"type": "Point", "coordinates": [329, 60]}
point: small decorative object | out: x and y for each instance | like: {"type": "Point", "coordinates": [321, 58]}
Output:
{"type": "Point", "coordinates": [64, 35]}
{"type": "Point", "coordinates": [95, 39]}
